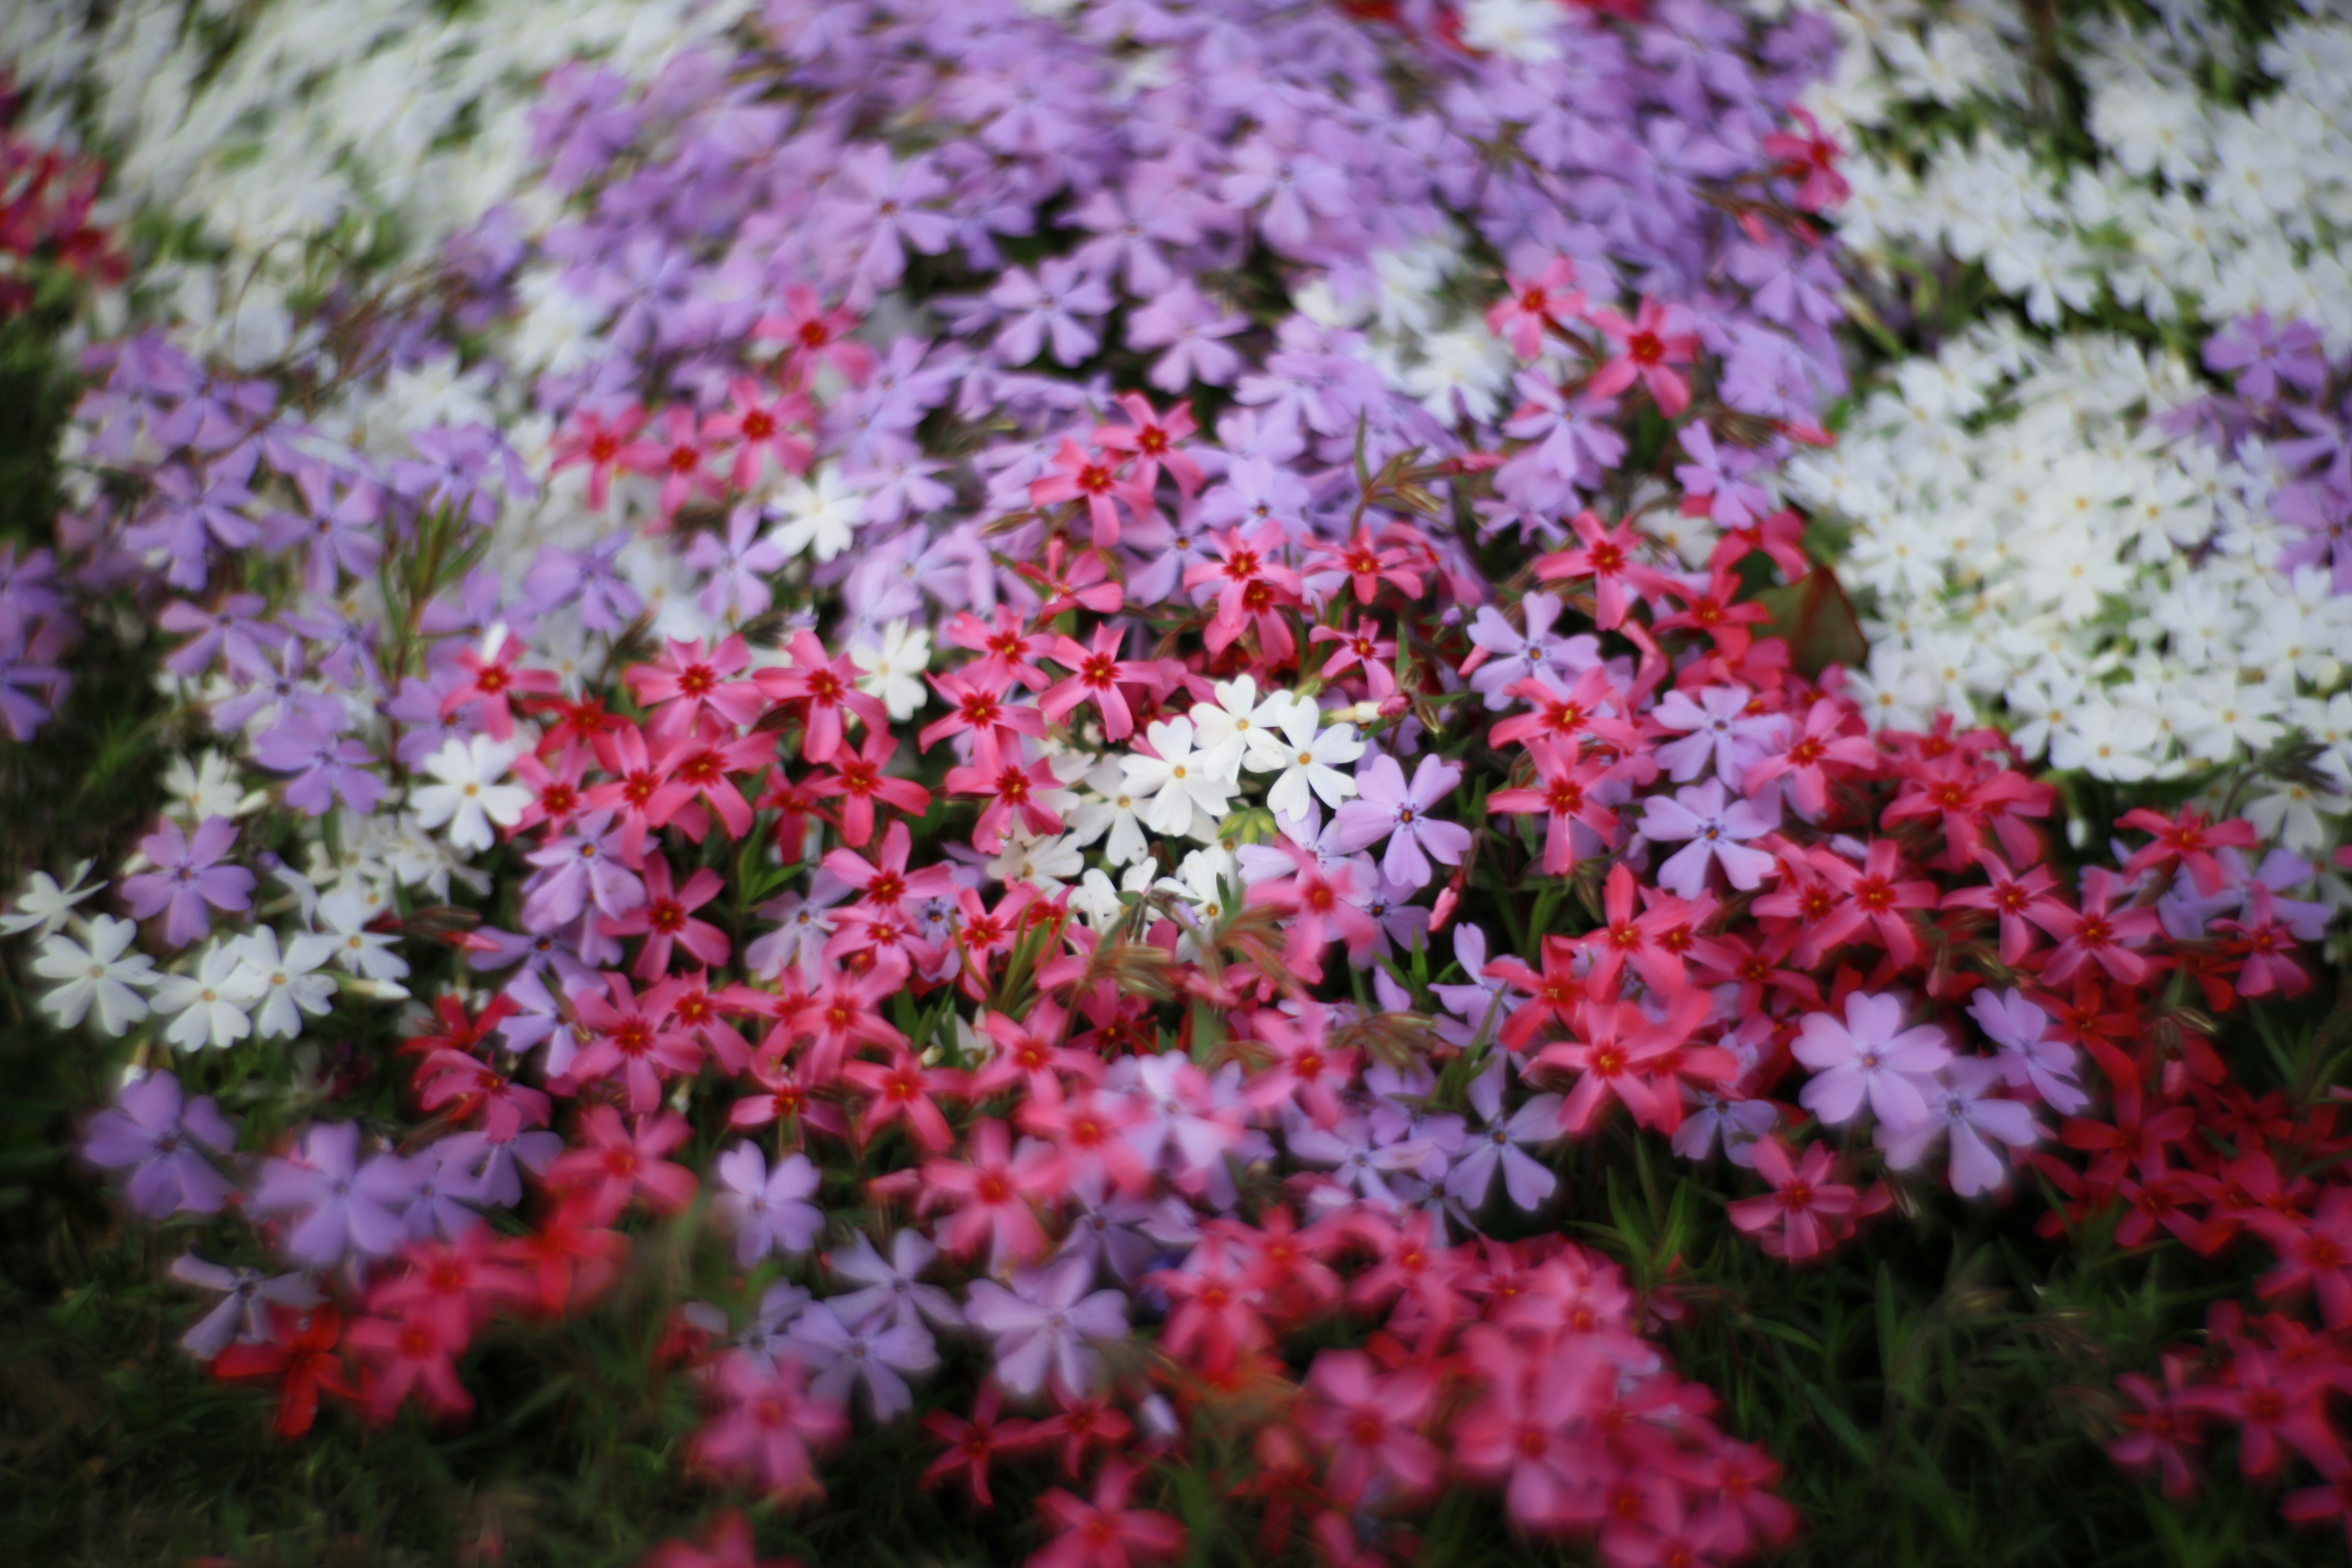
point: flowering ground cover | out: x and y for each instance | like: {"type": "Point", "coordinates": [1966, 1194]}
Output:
{"type": "Point", "coordinates": [1138, 781]}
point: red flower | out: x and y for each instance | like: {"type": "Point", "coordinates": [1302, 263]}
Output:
{"type": "Point", "coordinates": [1564, 792]}
{"type": "Point", "coordinates": [1098, 672]}
{"type": "Point", "coordinates": [759, 425]}
{"type": "Point", "coordinates": [303, 1361]}
{"type": "Point", "coordinates": [679, 456]}
{"type": "Point", "coordinates": [684, 683]}
{"type": "Point", "coordinates": [906, 1091]}
{"type": "Point", "coordinates": [973, 1445]}
{"type": "Point", "coordinates": [825, 689]}
{"type": "Point", "coordinates": [666, 920]}
{"type": "Point", "coordinates": [1079, 473]}
{"type": "Point", "coordinates": [1547, 299]}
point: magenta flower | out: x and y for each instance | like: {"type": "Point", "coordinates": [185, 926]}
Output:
{"type": "Point", "coordinates": [188, 877]}
{"type": "Point", "coordinates": [162, 1141]}
{"type": "Point", "coordinates": [1385, 808]}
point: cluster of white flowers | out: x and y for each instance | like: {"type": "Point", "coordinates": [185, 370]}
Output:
{"type": "Point", "coordinates": [2025, 539]}
{"type": "Point", "coordinates": [244, 983]}
{"type": "Point", "coordinates": [288, 141]}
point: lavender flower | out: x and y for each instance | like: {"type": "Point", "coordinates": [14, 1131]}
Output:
{"type": "Point", "coordinates": [1044, 1323]}
{"type": "Point", "coordinates": [768, 1210]}
{"type": "Point", "coordinates": [188, 878]}
{"type": "Point", "coordinates": [243, 1315]}
{"type": "Point", "coordinates": [162, 1141]}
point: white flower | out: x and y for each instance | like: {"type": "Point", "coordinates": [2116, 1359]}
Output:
{"type": "Point", "coordinates": [104, 975]}
{"type": "Point", "coordinates": [469, 798]}
{"type": "Point", "coordinates": [1047, 863]}
{"type": "Point", "coordinates": [1224, 728]}
{"type": "Point", "coordinates": [1310, 761]}
{"type": "Point", "coordinates": [1187, 794]}
{"type": "Point", "coordinates": [1113, 813]}
{"type": "Point", "coordinates": [43, 906]}
{"type": "Point", "coordinates": [815, 519]}
{"type": "Point", "coordinates": [207, 789]}
{"type": "Point", "coordinates": [279, 987]}
{"type": "Point", "coordinates": [345, 913]}
{"type": "Point", "coordinates": [1523, 30]}
{"type": "Point", "coordinates": [893, 668]}
{"type": "Point", "coordinates": [207, 1003]}
{"type": "Point", "coordinates": [1100, 901]}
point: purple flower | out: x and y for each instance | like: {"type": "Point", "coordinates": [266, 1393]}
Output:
{"type": "Point", "coordinates": [342, 1206]}
{"type": "Point", "coordinates": [233, 627]}
{"type": "Point", "coordinates": [1182, 320]}
{"type": "Point", "coordinates": [1870, 1055]}
{"type": "Point", "coordinates": [768, 1211]}
{"type": "Point", "coordinates": [1717, 729]}
{"type": "Point", "coordinates": [2027, 1057]}
{"type": "Point", "coordinates": [873, 1354]}
{"type": "Point", "coordinates": [187, 878]}
{"type": "Point", "coordinates": [1384, 808]}
{"type": "Point", "coordinates": [877, 209]}
{"type": "Point", "coordinates": [1042, 1323]}
{"type": "Point", "coordinates": [581, 866]}
{"type": "Point", "coordinates": [1962, 1106]}
{"type": "Point", "coordinates": [1048, 305]}
{"type": "Point", "coordinates": [243, 1314]}
{"type": "Point", "coordinates": [1716, 834]}
{"type": "Point", "coordinates": [446, 1180]}
{"type": "Point", "coordinates": [2262, 354]}
{"type": "Point", "coordinates": [30, 687]}
{"type": "Point", "coordinates": [738, 566]}
{"type": "Point", "coordinates": [327, 769]}
{"type": "Point", "coordinates": [162, 1141]}
{"type": "Point", "coordinates": [892, 1288]}
{"type": "Point", "coordinates": [1501, 1145]}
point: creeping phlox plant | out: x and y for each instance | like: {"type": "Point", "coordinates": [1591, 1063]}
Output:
{"type": "Point", "coordinates": [1114, 695]}
{"type": "Point", "coordinates": [2046, 530]}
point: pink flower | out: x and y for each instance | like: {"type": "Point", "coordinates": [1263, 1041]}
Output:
{"type": "Point", "coordinates": [1658, 338]}
{"type": "Point", "coordinates": [1369, 1422]}
{"type": "Point", "coordinates": [618, 1162]}
{"type": "Point", "coordinates": [666, 920]}
{"type": "Point", "coordinates": [767, 1422]}
{"type": "Point", "coordinates": [1803, 1200]}
{"type": "Point", "coordinates": [1105, 1533]}
{"type": "Point", "coordinates": [1547, 299]}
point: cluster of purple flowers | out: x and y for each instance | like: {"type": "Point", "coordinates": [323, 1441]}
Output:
{"type": "Point", "coordinates": [2290, 396]}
